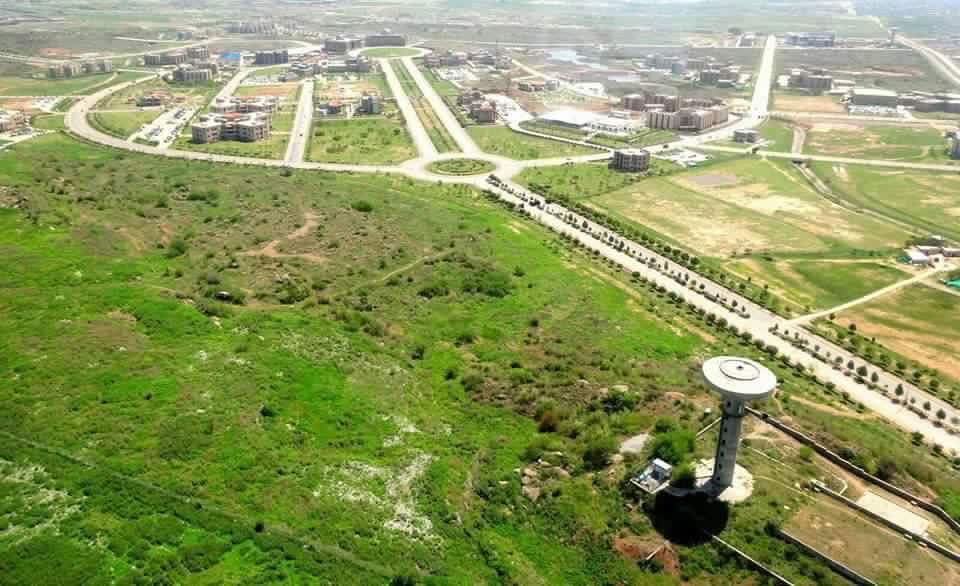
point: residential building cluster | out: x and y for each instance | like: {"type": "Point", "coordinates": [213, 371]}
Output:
{"type": "Point", "coordinates": [811, 39]}
{"type": "Point", "coordinates": [478, 107]}
{"type": "Point", "coordinates": [931, 102]}
{"type": "Point", "coordinates": [190, 54]}
{"type": "Point", "coordinates": [723, 77]}
{"type": "Point", "coordinates": [72, 69]}
{"type": "Point", "coordinates": [460, 58]}
{"type": "Point", "coordinates": [243, 127]}
{"type": "Point", "coordinates": [153, 99]}
{"type": "Point", "coordinates": [11, 120]}
{"type": "Point", "coordinates": [369, 104]}
{"type": "Point", "coordinates": [670, 103]}
{"type": "Point", "coordinates": [190, 73]}
{"type": "Point", "coordinates": [538, 85]}
{"type": "Point", "coordinates": [812, 80]}
{"type": "Point", "coordinates": [631, 160]}
{"type": "Point", "coordinates": [262, 27]}
{"type": "Point", "coordinates": [746, 136]}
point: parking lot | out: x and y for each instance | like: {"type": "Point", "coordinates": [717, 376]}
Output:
{"type": "Point", "coordinates": [165, 129]}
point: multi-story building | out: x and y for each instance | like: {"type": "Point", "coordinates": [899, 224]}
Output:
{"type": "Point", "coordinates": [635, 102]}
{"type": "Point", "coordinates": [279, 57]}
{"type": "Point", "coordinates": [359, 64]}
{"type": "Point", "coordinates": [245, 105]}
{"type": "Point", "coordinates": [696, 64]}
{"type": "Point", "coordinates": [197, 53]}
{"type": "Point", "coordinates": [817, 39]}
{"type": "Point", "coordinates": [64, 70]}
{"type": "Point", "coordinates": [710, 76]}
{"type": "Point", "coordinates": [161, 59]}
{"type": "Point", "coordinates": [631, 160]}
{"type": "Point", "coordinates": [746, 136]}
{"type": "Point", "coordinates": [100, 66]}
{"type": "Point", "coordinates": [184, 35]}
{"type": "Point", "coordinates": [385, 39]}
{"type": "Point", "coordinates": [370, 104]}
{"type": "Point", "coordinates": [342, 44]}
{"type": "Point", "coordinates": [663, 120]}
{"type": "Point", "coordinates": [11, 120]}
{"type": "Point", "coordinates": [249, 127]}
{"type": "Point", "coordinates": [815, 81]}
{"type": "Point", "coordinates": [153, 99]}
{"type": "Point", "coordinates": [484, 112]}
{"type": "Point", "coordinates": [873, 97]}
{"type": "Point", "coordinates": [189, 74]}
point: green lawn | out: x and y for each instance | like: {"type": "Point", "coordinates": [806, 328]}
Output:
{"type": "Point", "coordinates": [818, 284]}
{"type": "Point", "coordinates": [928, 201]}
{"type": "Point", "coordinates": [780, 133]}
{"type": "Point", "coordinates": [274, 147]}
{"type": "Point", "coordinates": [919, 145]}
{"type": "Point", "coordinates": [584, 180]}
{"type": "Point", "coordinates": [122, 124]}
{"type": "Point", "coordinates": [388, 52]}
{"type": "Point", "coordinates": [500, 140]}
{"type": "Point", "coordinates": [363, 140]}
{"type": "Point", "coordinates": [22, 86]}
{"type": "Point", "coordinates": [747, 205]}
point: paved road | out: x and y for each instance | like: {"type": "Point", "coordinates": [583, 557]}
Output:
{"type": "Point", "coordinates": [449, 121]}
{"type": "Point", "coordinates": [942, 63]}
{"type": "Point", "coordinates": [870, 296]}
{"type": "Point", "coordinates": [300, 133]}
{"type": "Point", "coordinates": [419, 134]}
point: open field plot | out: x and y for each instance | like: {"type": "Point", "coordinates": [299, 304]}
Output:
{"type": "Point", "coordinates": [870, 549]}
{"type": "Point", "coordinates": [929, 201]}
{"type": "Point", "coordinates": [818, 284]}
{"type": "Point", "coordinates": [284, 91]}
{"type": "Point", "coordinates": [919, 322]}
{"type": "Point", "coordinates": [122, 124]}
{"type": "Point", "coordinates": [898, 143]}
{"type": "Point", "coordinates": [349, 87]}
{"type": "Point", "coordinates": [794, 102]}
{"type": "Point", "coordinates": [374, 140]}
{"type": "Point", "coordinates": [500, 140]}
{"type": "Point", "coordinates": [584, 180]}
{"type": "Point", "coordinates": [894, 69]}
{"type": "Point", "coordinates": [747, 205]}
{"type": "Point", "coordinates": [198, 94]}
{"type": "Point", "coordinates": [22, 86]}
{"type": "Point", "coordinates": [780, 135]}
{"type": "Point", "coordinates": [272, 148]}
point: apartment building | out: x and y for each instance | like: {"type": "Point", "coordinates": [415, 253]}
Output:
{"type": "Point", "coordinates": [11, 120]}
{"type": "Point", "coordinates": [189, 74]}
{"type": "Point", "coordinates": [279, 57]}
{"type": "Point", "coordinates": [161, 59]}
{"type": "Point", "coordinates": [245, 105]}
{"type": "Point", "coordinates": [370, 104]}
{"type": "Point", "coordinates": [631, 160]}
{"type": "Point", "coordinates": [197, 53]}
{"type": "Point", "coordinates": [249, 127]}
{"type": "Point", "coordinates": [342, 44]}
{"type": "Point", "coordinates": [816, 80]}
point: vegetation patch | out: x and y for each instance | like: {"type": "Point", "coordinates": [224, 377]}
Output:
{"type": "Point", "coordinates": [375, 140]}
{"type": "Point", "coordinates": [461, 167]}
{"type": "Point", "coordinates": [500, 140]}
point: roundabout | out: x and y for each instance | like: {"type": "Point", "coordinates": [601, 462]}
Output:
{"type": "Point", "coordinates": [461, 167]}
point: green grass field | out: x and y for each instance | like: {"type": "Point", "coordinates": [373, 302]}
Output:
{"type": "Point", "coordinates": [198, 94]}
{"type": "Point", "coordinates": [584, 180]}
{"type": "Point", "coordinates": [918, 145]}
{"type": "Point", "coordinates": [500, 140]}
{"type": "Point", "coordinates": [928, 201]}
{"type": "Point", "coordinates": [272, 148]}
{"type": "Point", "coordinates": [122, 124]}
{"type": "Point", "coordinates": [779, 133]}
{"type": "Point", "coordinates": [389, 52]}
{"type": "Point", "coordinates": [818, 284]}
{"type": "Point", "coordinates": [22, 86]}
{"type": "Point", "coordinates": [747, 206]}
{"type": "Point", "coordinates": [374, 140]}
{"type": "Point", "coordinates": [919, 322]}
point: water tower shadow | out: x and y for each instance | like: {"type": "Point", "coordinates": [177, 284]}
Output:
{"type": "Point", "coordinates": [690, 519]}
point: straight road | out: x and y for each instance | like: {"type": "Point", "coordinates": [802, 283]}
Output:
{"type": "Point", "coordinates": [449, 121]}
{"type": "Point", "coordinates": [803, 319]}
{"type": "Point", "coordinates": [942, 63]}
{"type": "Point", "coordinates": [300, 134]}
{"type": "Point", "coordinates": [421, 139]}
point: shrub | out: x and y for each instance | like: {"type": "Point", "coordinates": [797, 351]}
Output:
{"type": "Point", "coordinates": [177, 247]}
{"type": "Point", "coordinates": [598, 452]}
{"type": "Point", "coordinates": [674, 446]}
{"type": "Point", "coordinates": [362, 206]}
{"type": "Point", "coordinates": [683, 476]}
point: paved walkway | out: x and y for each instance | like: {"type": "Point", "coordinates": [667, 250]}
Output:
{"type": "Point", "coordinates": [300, 134]}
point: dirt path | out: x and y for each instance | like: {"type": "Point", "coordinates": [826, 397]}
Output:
{"type": "Point", "coordinates": [833, 410]}
{"type": "Point", "coordinates": [799, 137]}
{"type": "Point", "coordinates": [270, 250]}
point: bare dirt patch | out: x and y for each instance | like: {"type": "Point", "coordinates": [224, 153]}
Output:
{"type": "Point", "coordinates": [279, 90]}
{"type": "Point", "coordinates": [821, 104]}
{"type": "Point", "coordinates": [271, 250]}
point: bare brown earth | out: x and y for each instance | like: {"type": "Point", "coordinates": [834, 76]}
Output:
{"type": "Point", "coordinates": [822, 104]}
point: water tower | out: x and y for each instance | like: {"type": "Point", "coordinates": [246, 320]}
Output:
{"type": "Point", "coordinates": [738, 380]}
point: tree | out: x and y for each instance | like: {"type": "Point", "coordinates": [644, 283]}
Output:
{"type": "Point", "coordinates": [899, 390]}
{"type": "Point", "coordinates": [683, 476]}
{"type": "Point", "coordinates": [941, 414]}
{"type": "Point", "coordinates": [674, 446]}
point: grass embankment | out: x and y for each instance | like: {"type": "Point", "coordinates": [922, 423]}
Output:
{"type": "Point", "coordinates": [121, 124]}
{"type": "Point", "coordinates": [780, 135]}
{"type": "Point", "coordinates": [499, 140]}
{"type": "Point", "coordinates": [362, 140]}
